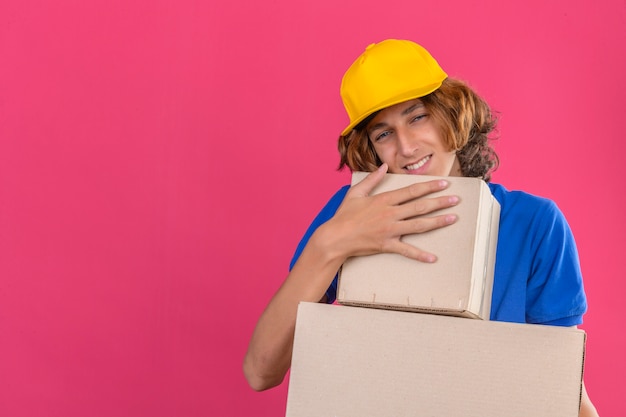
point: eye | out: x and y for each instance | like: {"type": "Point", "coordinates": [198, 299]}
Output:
{"type": "Point", "coordinates": [418, 117]}
{"type": "Point", "coordinates": [382, 135]}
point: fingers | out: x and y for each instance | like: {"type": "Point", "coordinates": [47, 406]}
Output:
{"type": "Point", "coordinates": [426, 224]}
{"type": "Point", "coordinates": [376, 223]}
{"type": "Point", "coordinates": [418, 225]}
{"type": "Point", "coordinates": [414, 191]}
{"type": "Point", "coordinates": [411, 252]}
{"type": "Point", "coordinates": [401, 195]}
{"type": "Point", "coordinates": [422, 206]}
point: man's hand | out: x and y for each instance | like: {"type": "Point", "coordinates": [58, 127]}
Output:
{"type": "Point", "coordinates": [366, 224]}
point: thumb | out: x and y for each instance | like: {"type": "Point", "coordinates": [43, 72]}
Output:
{"type": "Point", "coordinates": [365, 187]}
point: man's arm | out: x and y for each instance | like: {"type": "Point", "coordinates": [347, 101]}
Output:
{"type": "Point", "coordinates": [362, 225]}
{"type": "Point", "coordinates": [587, 409]}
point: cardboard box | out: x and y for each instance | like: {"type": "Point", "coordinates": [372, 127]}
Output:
{"type": "Point", "coordinates": [364, 362]}
{"type": "Point", "coordinates": [460, 282]}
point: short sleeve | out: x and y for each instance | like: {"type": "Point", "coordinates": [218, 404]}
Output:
{"type": "Point", "coordinates": [555, 293]}
{"type": "Point", "coordinates": [327, 212]}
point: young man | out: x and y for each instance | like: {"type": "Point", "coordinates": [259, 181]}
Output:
{"type": "Point", "coordinates": [408, 117]}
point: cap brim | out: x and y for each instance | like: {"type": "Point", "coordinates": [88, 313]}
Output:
{"type": "Point", "coordinates": [387, 103]}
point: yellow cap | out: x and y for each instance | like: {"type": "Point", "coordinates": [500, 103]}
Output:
{"type": "Point", "coordinates": [388, 73]}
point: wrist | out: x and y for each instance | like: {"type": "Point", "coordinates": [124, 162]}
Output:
{"type": "Point", "coordinates": [328, 246]}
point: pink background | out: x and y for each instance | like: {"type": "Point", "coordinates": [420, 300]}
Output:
{"type": "Point", "coordinates": [160, 160]}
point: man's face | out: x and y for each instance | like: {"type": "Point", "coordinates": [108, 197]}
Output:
{"type": "Point", "coordinates": [406, 138]}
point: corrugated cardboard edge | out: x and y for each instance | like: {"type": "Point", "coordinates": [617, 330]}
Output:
{"type": "Point", "coordinates": [413, 309]}
{"type": "Point", "coordinates": [582, 371]}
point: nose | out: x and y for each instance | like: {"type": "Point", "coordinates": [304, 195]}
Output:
{"type": "Point", "coordinates": [406, 144]}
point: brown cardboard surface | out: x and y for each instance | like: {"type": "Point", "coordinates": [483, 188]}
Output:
{"type": "Point", "coordinates": [363, 362]}
{"type": "Point", "coordinates": [459, 283]}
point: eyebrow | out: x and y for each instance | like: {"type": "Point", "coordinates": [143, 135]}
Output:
{"type": "Point", "coordinates": [405, 112]}
{"type": "Point", "coordinates": [413, 107]}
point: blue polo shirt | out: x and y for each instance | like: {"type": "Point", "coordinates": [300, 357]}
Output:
{"type": "Point", "coordinates": [537, 276]}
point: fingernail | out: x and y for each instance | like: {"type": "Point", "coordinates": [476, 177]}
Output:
{"type": "Point", "coordinates": [450, 218]}
{"type": "Point", "coordinates": [430, 258]}
{"type": "Point", "coordinates": [453, 199]}
{"type": "Point", "coordinates": [443, 183]}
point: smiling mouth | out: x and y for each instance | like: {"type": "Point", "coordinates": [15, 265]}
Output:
{"type": "Point", "coordinates": [418, 164]}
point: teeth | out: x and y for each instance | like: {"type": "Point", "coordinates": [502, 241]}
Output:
{"type": "Point", "coordinates": [419, 164]}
